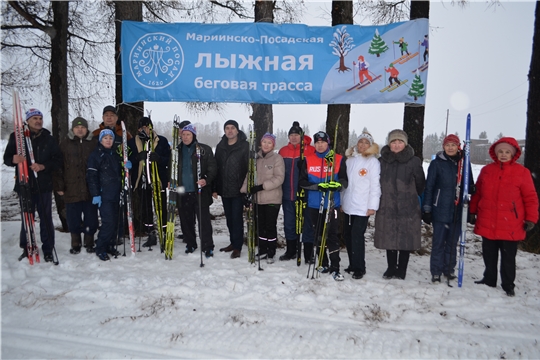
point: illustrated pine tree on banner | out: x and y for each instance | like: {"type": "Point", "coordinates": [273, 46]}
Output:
{"type": "Point", "coordinates": [377, 46]}
{"type": "Point", "coordinates": [342, 45]}
{"type": "Point", "coordinates": [417, 87]}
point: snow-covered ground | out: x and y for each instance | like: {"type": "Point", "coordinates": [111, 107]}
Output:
{"type": "Point", "coordinates": [147, 307]}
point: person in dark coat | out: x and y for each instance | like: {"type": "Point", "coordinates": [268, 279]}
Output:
{"type": "Point", "coordinates": [192, 181]}
{"type": "Point", "coordinates": [319, 178]}
{"type": "Point", "coordinates": [443, 209]}
{"type": "Point", "coordinates": [232, 156]}
{"type": "Point", "coordinates": [111, 121]}
{"type": "Point", "coordinates": [48, 159]}
{"type": "Point", "coordinates": [143, 158]}
{"type": "Point", "coordinates": [398, 220]}
{"type": "Point", "coordinates": [70, 182]}
{"type": "Point", "coordinates": [504, 208]}
{"type": "Point", "coordinates": [104, 178]}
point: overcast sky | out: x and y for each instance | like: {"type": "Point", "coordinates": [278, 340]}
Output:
{"type": "Point", "coordinates": [479, 60]}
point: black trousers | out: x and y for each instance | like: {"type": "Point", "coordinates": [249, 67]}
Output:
{"type": "Point", "coordinates": [188, 209]}
{"type": "Point", "coordinates": [332, 242]}
{"type": "Point", "coordinates": [354, 228]}
{"type": "Point", "coordinates": [490, 253]}
{"type": "Point", "coordinates": [267, 222]}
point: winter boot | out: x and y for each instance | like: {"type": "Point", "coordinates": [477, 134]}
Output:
{"type": "Point", "coordinates": [152, 239]}
{"type": "Point", "coordinates": [391, 259]}
{"type": "Point", "coordinates": [402, 265]}
{"type": "Point", "coordinates": [272, 245]}
{"type": "Point", "coordinates": [308, 253]}
{"type": "Point", "coordinates": [24, 255]}
{"type": "Point", "coordinates": [75, 243]}
{"type": "Point", "coordinates": [290, 254]}
{"type": "Point", "coordinates": [263, 249]}
{"type": "Point", "coordinates": [89, 243]}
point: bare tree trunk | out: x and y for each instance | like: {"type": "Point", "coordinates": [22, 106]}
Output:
{"type": "Point", "coordinates": [58, 84]}
{"type": "Point", "coordinates": [263, 116]}
{"type": "Point", "coordinates": [532, 133]}
{"type": "Point", "coordinates": [413, 117]}
{"type": "Point", "coordinates": [342, 13]}
{"type": "Point", "coordinates": [126, 10]}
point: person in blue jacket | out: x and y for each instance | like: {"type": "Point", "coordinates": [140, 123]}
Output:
{"type": "Point", "coordinates": [443, 207]}
{"type": "Point", "coordinates": [104, 178]}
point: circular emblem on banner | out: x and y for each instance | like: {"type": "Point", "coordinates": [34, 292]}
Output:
{"type": "Point", "coordinates": [362, 172]}
{"type": "Point", "coordinates": [156, 60]}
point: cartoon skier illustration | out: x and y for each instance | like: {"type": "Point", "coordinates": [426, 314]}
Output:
{"type": "Point", "coordinates": [393, 74]}
{"type": "Point", "coordinates": [402, 46]}
{"type": "Point", "coordinates": [425, 44]}
{"type": "Point", "coordinates": [363, 69]}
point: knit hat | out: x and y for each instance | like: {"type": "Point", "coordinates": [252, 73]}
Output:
{"type": "Point", "coordinates": [231, 122]}
{"type": "Point", "coordinates": [184, 123]}
{"type": "Point", "coordinates": [366, 135]}
{"type": "Point", "coordinates": [451, 139]}
{"type": "Point", "coordinates": [191, 128]}
{"type": "Point", "coordinates": [505, 146]}
{"type": "Point", "coordinates": [295, 129]}
{"type": "Point", "coordinates": [105, 132]}
{"type": "Point", "coordinates": [270, 137]}
{"type": "Point", "coordinates": [33, 112]}
{"type": "Point", "coordinates": [79, 121]}
{"type": "Point", "coordinates": [321, 136]}
{"type": "Point", "coordinates": [109, 108]}
{"type": "Point", "coordinates": [145, 121]}
{"type": "Point", "coordinates": [398, 134]}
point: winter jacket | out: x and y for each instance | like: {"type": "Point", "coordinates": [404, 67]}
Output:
{"type": "Point", "coordinates": [208, 170]}
{"type": "Point", "coordinates": [46, 152]}
{"type": "Point", "coordinates": [291, 157]}
{"type": "Point", "coordinates": [232, 163]}
{"type": "Point", "coordinates": [316, 171]}
{"type": "Point", "coordinates": [104, 174]}
{"type": "Point", "coordinates": [364, 189]}
{"type": "Point", "coordinates": [71, 179]}
{"type": "Point", "coordinates": [397, 223]}
{"type": "Point", "coordinates": [161, 147]}
{"type": "Point", "coordinates": [270, 174]}
{"type": "Point", "coordinates": [440, 193]}
{"type": "Point", "coordinates": [505, 198]}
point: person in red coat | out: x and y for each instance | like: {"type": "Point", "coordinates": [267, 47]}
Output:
{"type": "Point", "coordinates": [503, 209]}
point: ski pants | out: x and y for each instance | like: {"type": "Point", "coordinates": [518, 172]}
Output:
{"type": "Point", "coordinates": [234, 213]}
{"type": "Point", "coordinates": [332, 241]}
{"type": "Point", "coordinates": [108, 211]}
{"type": "Point", "coordinates": [267, 224]}
{"type": "Point", "coordinates": [43, 203]}
{"type": "Point", "coordinates": [188, 210]}
{"type": "Point", "coordinates": [444, 247]}
{"type": "Point", "coordinates": [289, 223]}
{"type": "Point", "coordinates": [354, 228]}
{"type": "Point", "coordinates": [490, 253]}
{"type": "Point", "coordinates": [82, 217]}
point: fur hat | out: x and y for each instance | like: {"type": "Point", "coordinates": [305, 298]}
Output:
{"type": "Point", "coordinates": [366, 135]}
{"type": "Point", "coordinates": [398, 134]}
{"type": "Point", "coordinates": [451, 139]}
{"type": "Point", "coordinates": [104, 133]}
{"type": "Point", "coordinates": [33, 112]}
{"type": "Point", "coordinates": [270, 137]}
{"type": "Point", "coordinates": [321, 136]}
{"type": "Point", "coordinates": [109, 108]}
{"type": "Point", "coordinates": [295, 129]}
{"type": "Point", "coordinates": [231, 122]}
{"type": "Point", "coordinates": [79, 121]}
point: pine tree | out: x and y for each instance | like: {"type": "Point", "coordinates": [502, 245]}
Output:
{"type": "Point", "coordinates": [417, 87]}
{"type": "Point", "coordinates": [377, 46]}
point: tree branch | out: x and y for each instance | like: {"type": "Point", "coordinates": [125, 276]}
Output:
{"type": "Point", "coordinates": [49, 30]}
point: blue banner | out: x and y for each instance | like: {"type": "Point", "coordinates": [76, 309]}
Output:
{"type": "Point", "coordinates": [275, 64]}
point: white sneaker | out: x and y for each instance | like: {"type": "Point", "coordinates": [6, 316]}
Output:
{"type": "Point", "coordinates": [337, 276]}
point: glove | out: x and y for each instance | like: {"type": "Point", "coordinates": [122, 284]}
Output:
{"type": "Point", "coordinates": [154, 156]}
{"type": "Point", "coordinates": [426, 217]}
{"type": "Point", "coordinates": [142, 156]}
{"type": "Point", "coordinates": [329, 186]}
{"type": "Point", "coordinates": [128, 165]}
{"type": "Point", "coordinates": [255, 189]}
{"type": "Point", "coordinates": [528, 225]}
{"type": "Point", "coordinates": [96, 200]}
{"type": "Point", "coordinates": [471, 219]}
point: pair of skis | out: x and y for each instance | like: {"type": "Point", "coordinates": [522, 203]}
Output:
{"type": "Point", "coordinates": [251, 211]}
{"type": "Point", "coordinates": [22, 144]}
{"type": "Point", "coordinates": [173, 184]}
{"type": "Point", "coordinates": [300, 207]}
{"type": "Point", "coordinates": [465, 198]}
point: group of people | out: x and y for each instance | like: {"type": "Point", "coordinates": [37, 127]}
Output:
{"type": "Point", "coordinates": [388, 183]}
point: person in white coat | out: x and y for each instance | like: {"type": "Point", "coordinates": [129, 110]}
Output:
{"type": "Point", "coordinates": [360, 199]}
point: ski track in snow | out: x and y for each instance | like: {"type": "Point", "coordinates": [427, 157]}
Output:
{"type": "Point", "coordinates": [146, 307]}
